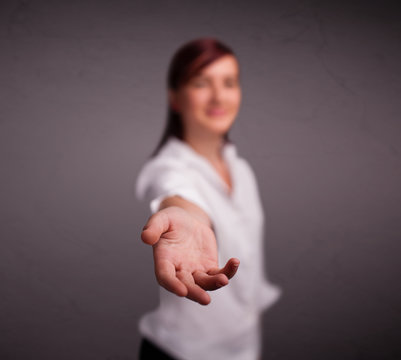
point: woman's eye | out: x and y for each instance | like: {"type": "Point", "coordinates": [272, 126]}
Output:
{"type": "Point", "coordinates": [230, 83]}
{"type": "Point", "coordinates": [199, 83]}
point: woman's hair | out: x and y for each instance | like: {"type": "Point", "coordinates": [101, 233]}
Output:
{"type": "Point", "coordinates": [186, 63]}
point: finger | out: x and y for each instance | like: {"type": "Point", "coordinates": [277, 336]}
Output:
{"type": "Point", "coordinates": [229, 270]}
{"type": "Point", "coordinates": [157, 224]}
{"type": "Point", "coordinates": [195, 292]}
{"type": "Point", "coordinates": [209, 282]}
{"type": "Point", "coordinates": [166, 277]}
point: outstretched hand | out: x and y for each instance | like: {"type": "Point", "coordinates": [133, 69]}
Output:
{"type": "Point", "coordinates": [185, 254]}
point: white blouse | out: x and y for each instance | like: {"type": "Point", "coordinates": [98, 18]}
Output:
{"type": "Point", "coordinates": [227, 328]}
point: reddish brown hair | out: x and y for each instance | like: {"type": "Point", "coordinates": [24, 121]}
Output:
{"type": "Point", "coordinates": [186, 63]}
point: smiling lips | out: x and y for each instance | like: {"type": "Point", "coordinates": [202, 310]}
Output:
{"type": "Point", "coordinates": [216, 112]}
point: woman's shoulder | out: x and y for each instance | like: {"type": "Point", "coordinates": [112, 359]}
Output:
{"type": "Point", "coordinates": [170, 164]}
{"type": "Point", "coordinates": [175, 148]}
{"type": "Point", "coordinates": [170, 155]}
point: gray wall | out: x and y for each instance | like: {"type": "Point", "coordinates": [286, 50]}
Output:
{"type": "Point", "coordinates": [82, 104]}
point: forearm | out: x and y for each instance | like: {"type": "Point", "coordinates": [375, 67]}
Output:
{"type": "Point", "coordinates": [193, 209]}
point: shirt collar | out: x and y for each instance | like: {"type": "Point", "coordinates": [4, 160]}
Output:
{"type": "Point", "coordinates": [185, 153]}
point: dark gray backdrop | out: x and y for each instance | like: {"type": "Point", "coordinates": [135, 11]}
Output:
{"type": "Point", "coordinates": [82, 105]}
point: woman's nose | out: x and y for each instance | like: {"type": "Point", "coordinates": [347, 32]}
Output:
{"type": "Point", "coordinates": [217, 93]}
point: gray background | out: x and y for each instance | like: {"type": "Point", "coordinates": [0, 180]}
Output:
{"type": "Point", "coordinates": [82, 106]}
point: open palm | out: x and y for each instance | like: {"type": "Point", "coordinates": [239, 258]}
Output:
{"type": "Point", "coordinates": [185, 254]}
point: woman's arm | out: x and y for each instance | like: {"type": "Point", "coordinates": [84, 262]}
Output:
{"type": "Point", "coordinates": [192, 209]}
{"type": "Point", "coordinates": [185, 250]}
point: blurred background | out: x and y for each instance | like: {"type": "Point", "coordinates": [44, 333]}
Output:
{"type": "Point", "coordinates": [82, 106]}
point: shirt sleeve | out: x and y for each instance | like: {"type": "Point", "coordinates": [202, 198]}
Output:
{"type": "Point", "coordinates": [161, 179]}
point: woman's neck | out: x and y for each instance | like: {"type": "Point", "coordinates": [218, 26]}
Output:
{"type": "Point", "coordinates": [211, 148]}
{"type": "Point", "coordinates": [208, 146]}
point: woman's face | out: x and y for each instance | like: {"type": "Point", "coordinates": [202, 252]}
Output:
{"type": "Point", "coordinates": [209, 102]}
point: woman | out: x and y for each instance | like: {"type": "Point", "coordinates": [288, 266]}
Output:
{"type": "Point", "coordinates": [206, 210]}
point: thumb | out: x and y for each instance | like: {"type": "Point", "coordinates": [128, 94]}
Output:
{"type": "Point", "coordinates": [157, 225]}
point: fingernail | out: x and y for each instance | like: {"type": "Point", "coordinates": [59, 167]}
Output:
{"type": "Point", "coordinates": [221, 283]}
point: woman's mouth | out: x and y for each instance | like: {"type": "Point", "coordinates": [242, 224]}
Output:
{"type": "Point", "coordinates": [215, 112]}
